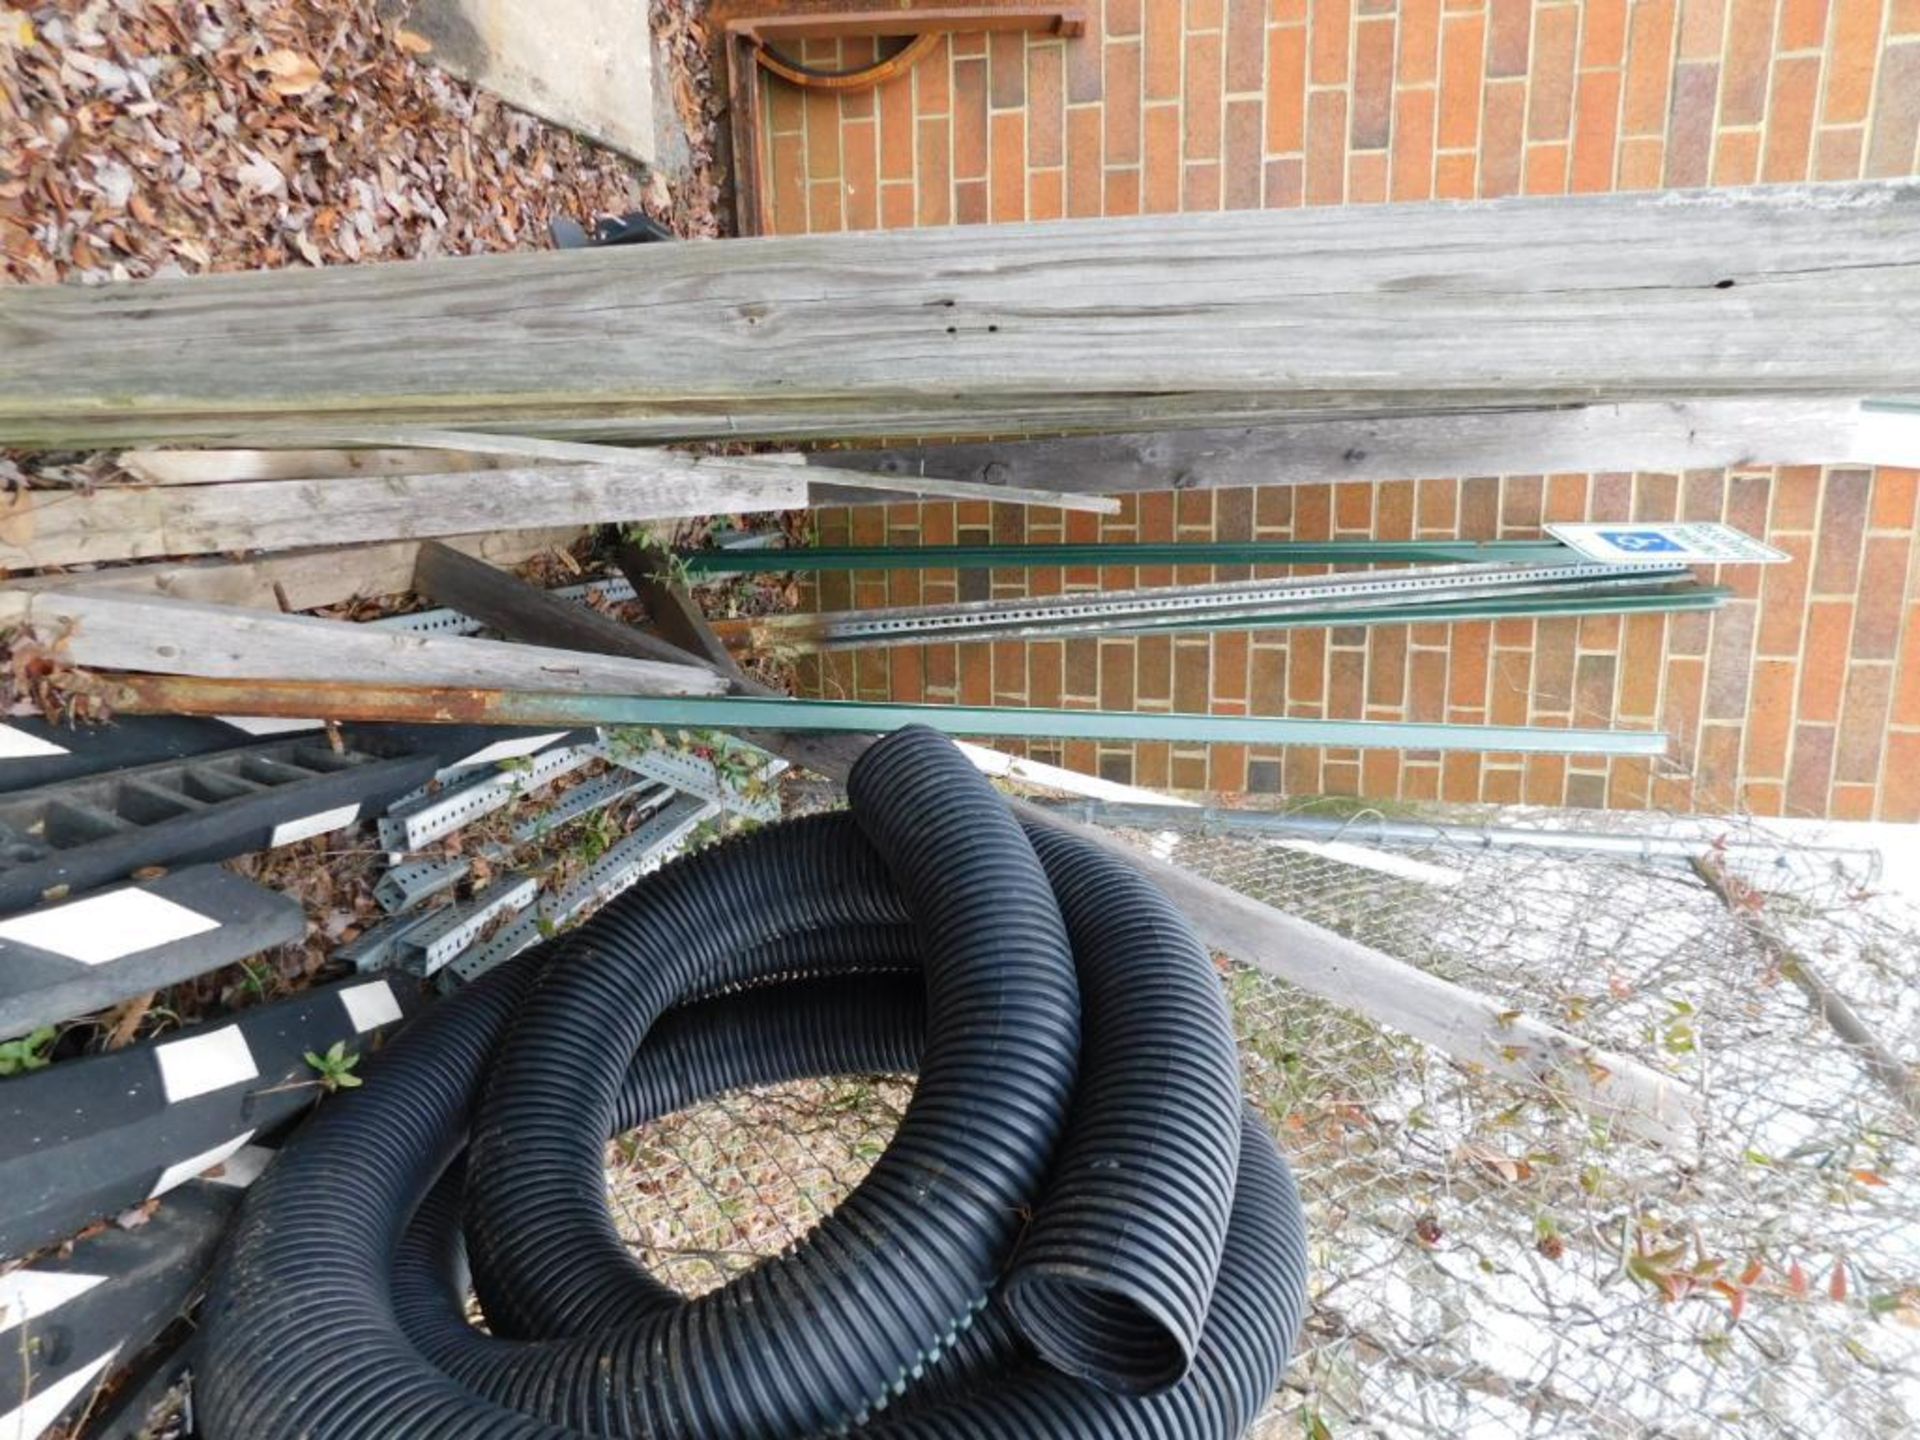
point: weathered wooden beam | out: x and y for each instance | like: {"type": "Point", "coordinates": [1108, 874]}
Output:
{"type": "Point", "coordinates": [108, 631]}
{"type": "Point", "coordinates": [681, 622]}
{"type": "Point", "coordinates": [301, 579]}
{"type": "Point", "coordinates": [68, 527]}
{"type": "Point", "coordinates": [1101, 325]}
{"type": "Point", "coordinates": [479, 450]}
{"type": "Point", "coordinates": [675, 614]}
{"type": "Point", "coordinates": [225, 467]}
{"type": "Point", "coordinates": [525, 612]}
{"type": "Point", "coordinates": [1665, 435]}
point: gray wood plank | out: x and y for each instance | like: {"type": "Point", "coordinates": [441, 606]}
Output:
{"type": "Point", "coordinates": [1094, 325]}
{"type": "Point", "coordinates": [1665, 435]}
{"type": "Point", "coordinates": [479, 450]}
{"type": "Point", "coordinates": [305, 579]}
{"type": "Point", "coordinates": [109, 631]}
{"type": "Point", "coordinates": [224, 467]}
{"type": "Point", "coordinates": [67, 527]}
{"type": "Point", "coordinates": [526, 612]}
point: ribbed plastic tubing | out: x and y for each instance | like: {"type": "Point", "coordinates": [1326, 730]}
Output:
{"type": "Point", "coordinates": [1078, 1230]}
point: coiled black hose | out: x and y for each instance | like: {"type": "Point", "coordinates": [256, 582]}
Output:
{"type": "Point", "coordinates": [1073, 1235]}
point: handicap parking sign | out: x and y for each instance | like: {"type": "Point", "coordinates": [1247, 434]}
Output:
{"type": "Point", "coordinates": [1671, 544]}
{"type": "Point", "coordinates": [1640, 542]}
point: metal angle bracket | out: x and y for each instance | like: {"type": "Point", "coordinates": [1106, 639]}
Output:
{"type": "Point", "coordinates": [644, 850]}
{"type": "Point", "coordinates": [453, 928]}
{"type": "Point", "coordinates": [405, 886]}
{"type": "Point", "coordinates": [694, 776]}
{"type": "Point", "coordinates": [584, 799]}
{"type": "Point", "coordinates": [445, 621]}
{"type": "Point", "coordinates": [373, 948]}
{"type": "Point", "coordinates": [432, 819]}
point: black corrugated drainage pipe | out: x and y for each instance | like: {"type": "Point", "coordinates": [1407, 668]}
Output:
{"type": "Point", "coordinates": [1075, 1232]}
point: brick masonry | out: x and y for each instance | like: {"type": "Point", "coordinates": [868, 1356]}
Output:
{"type": "Point", "coordinates": [1802, 697]}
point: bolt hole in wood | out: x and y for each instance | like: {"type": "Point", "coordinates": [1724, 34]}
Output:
{"type": "Point", "coordinates": [1723, 284]}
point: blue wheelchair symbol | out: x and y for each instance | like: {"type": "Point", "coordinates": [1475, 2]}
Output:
{"type": "Point", "coordinates": [1639, 542]}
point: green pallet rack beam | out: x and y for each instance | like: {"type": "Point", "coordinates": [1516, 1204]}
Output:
{"type": "Point", "coordinates": [194, 696]}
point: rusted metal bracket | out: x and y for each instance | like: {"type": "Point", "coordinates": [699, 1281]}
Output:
{"type": "Point", "coordinates": [756, 35]}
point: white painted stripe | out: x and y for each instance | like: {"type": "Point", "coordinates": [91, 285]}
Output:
{"type": "Point", "coordinates": [243, 1167]}
{"type": "Point", "coordinates": [39, 1413]}
{"type": "Point", "coordinates": [182, 1171]}
{"type": "Point", "coordinates": [205, 1063]}
{"type": "Point", "coordinates": [370, 1006]}
{"type": "Point", "coordinates": [28, 1294]}
{"type": "Point", "coordinates": [16, 744]}
{"type": "Point", "coordinates": [305, 828]}
{"type": "Point", "coordinates": [510, 749]}
{"type": "Point", "coordinates": [107, 927]}
{"type": "Point", "coordinates": [268, 724]}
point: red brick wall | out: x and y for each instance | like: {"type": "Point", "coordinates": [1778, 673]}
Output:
{"type": "Point", "coordinates": [1802, 697]}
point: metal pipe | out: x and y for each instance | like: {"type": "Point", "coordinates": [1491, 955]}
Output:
{"type": "Point", "coordinates": [1236, 552]}
{"type": "Point", "coordinates": [192, 695]}
{"type": "Point", "coordinates": [1374, 829]}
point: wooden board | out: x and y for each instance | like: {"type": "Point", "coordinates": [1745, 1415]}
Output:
{"type": "Point", "coordinates": [302, 579]}
{"type": "Point", "coordinates": [675, 613]}
{"type": "Point", "coordinates": [480, 450]}
{"type": "Point", "coordinates": [525, 612]}
{"type": "Point", "coordinates": [1090, 325]}
{"type": "Point", "coordinates": [224, 467]}
{"type": "Point", "coordinates": [108, 631]}
{"type": "Point", "coordinates": [67, 527]}
{"type": "Point", "coordinates": [1692, 435]}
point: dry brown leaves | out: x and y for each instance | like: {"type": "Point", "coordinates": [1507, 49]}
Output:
{"type": "Point", "coordinates": [680, 33]}
{"type": "Point", "coordinates": [144, 137]}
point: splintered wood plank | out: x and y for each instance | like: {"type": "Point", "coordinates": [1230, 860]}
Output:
{"type": "Point", "coordinates": [1092, 325]}
{"type": "Point", "coordinates": [69, 527]}
{"type": "Point", "coordinates": [303, 579]}
{"type": "Point", "coordinates": [107, 631]}
{"type": "Point", "coordinates": [225, 467]}
{"type": "Point", "coordinates": [479, 450]}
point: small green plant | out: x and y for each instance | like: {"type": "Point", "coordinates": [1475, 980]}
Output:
{"type": "Point", "coordinates": [599, 832]}
{"type": "Point", "coordinates": [335, 1068]}
{"type": "Point", "coordinates": [29, 1052]}
{"type": "Point", "coordinates": [643, 537]}
{"type": "Point", "coordinates": [257, 978]}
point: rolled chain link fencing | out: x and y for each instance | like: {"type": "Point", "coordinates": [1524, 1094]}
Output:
{"type": "Point", "coordinates": [1488, 1264]}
